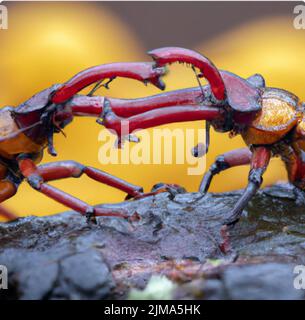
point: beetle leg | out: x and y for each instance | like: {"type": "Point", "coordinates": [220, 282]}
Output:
{"type": "Point", "coordinates": [259, 162]}
{"type": "Point", "coordinates": [7, 190]}
{"type": "Point", "coordinates": [172, 189]}
{"type": "Point", "coordinates": [295, 166]}
{"type": "Point", "coordinates": [36, 181]}
{"type": "Point", "coordinates": [71, 169]}
{"type": "Point", "coordinates": [228, 160]}
{"type": "Point", "coordinates": [7, 214]}
{"type": "Point", "coordinates": [142, 71]}
{"type": "Point", "coordinates": [168, 55]}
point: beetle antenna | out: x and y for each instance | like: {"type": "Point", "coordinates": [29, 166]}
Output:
{"type": "Point", "coordinates": [198, 80]}
{"type": "Point", "coordinates": [207, 124]}
{"type": "Point", "coordinates": [207, 136]}
{"type": "Point", "coordinates": [202, 149]}
{"type": "Point", "coordinates": [15, 134]}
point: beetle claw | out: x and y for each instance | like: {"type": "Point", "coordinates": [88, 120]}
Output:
{"type": "Point", "coordinates": [231, 222]}
{"type": "Point", "coordinates": [169, 55]}
{"type": "Point", "coordinates": [172, 189]}
{"type": "Point", "coordinates": [90, 217]}
{"type": "Point", "coordinates": [132, 138]}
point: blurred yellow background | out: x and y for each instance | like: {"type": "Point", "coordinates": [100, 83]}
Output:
{"type": "Point", "coordinates": [43, 47]}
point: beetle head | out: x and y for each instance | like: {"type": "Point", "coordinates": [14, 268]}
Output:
{"type": "Point", "coordinates": [39, 118]}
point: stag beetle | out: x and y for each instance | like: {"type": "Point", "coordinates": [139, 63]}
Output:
{"type": "Point", "coordinates": [271, 121]}
{"type": "Point", "coordinates": [26, 130]}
